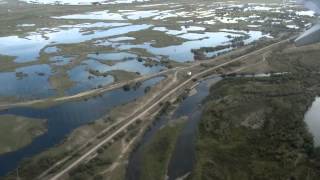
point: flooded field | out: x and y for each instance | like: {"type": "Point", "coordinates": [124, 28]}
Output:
{"type": "Point", "coordinates": [52, 48]}
{"type": "Point", "coordinates": [64, 118]}
{"type": "Point", "coordinates": [135, 38]}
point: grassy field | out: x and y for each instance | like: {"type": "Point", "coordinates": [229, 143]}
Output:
{"type": "Point", "coordinates": [253, 128]}
{"type": "Point", "coordinates": [17, 132]}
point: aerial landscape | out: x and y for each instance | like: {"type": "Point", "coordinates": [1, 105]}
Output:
{"type": "Point", "coordinates": [159, 90]}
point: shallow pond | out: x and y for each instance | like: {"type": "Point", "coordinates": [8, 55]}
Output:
{"type": "Point", "coordinates": [217, 53]}
{"type": "Point", "coordinates": [113, 35]}
{"type": "Point", "coordinates": [116, 56]}
{"type": "Point", "coordinates": [183, 52]}
{"type": "Point", "coordinates": [101, 15]}
{"type": "Point", "coordinates": [27, 48]}
{"type": "Point", "coordinates": [87, 81]}
{"type": "Point", "coordinates": [27, 83]}
{"type": "Point", "coordinates": [60, 60]}
{"type": "Point", "coordinates": [130, 66]}
{"type": "Point", "coordinates": [64, 118]}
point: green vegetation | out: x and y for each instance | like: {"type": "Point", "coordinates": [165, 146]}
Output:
{"type": "Point", "coordinates": [253, 128]}
{"type": "Point", "coordinates": [297, 60]}
{"type": "Point", "coordinates": [157, 153]}
{"type": "Point", "coordinates": [157, 37]}
{"type": "Point", "coordinates": [30, 168]}
{"type": "Point", "coordinates": [132, 86]}
{"type": "Point", "coordinates": [7, 64]}
{"type": "Point", "coordinates": [91, 170]}
{"type": "Point", "coordinates": [17, 132]}
{"type": "Point", "coordinates": [61, 82]}
{"type": "Point", "coordinates": [119, 75]}
{"type": "Point", "coordinates": [237, 42]}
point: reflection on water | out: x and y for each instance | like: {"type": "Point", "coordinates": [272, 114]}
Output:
{"type": "Point", "coordinates": [28, 48]}
{"type": "Point", "coordinates": [60, 60]}
{"type": "Point", "coordinates": [312, 118]}
{"type": "Point", "coordinates": [113, 35]}
{"type": "Point", "coordinates": [27, 82]}
{"type": "Point", "coordinates": [113, 56]}
{"type": "Point", "coordinates": [183, 156]}
{"type": "Point", "coordinates": [64, 118]}
{"type": "Point", "coordinates": [130, 66]}
{"type": "Point", "coordinates": [183, 52]}
{"type": "Point", "coordinates": [87, 81]}
{"type": "Point", "coordinates": [102, 15]}
{"type": "Point", "coordinates": [50, 50]}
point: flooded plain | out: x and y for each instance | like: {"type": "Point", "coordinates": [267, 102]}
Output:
{"type": "Point", "coordinates": [76, 51]}
{"type": "Point", "coordinates": [134, 36]}
{"type": "Point", "coordinates": [64, 118]}
{"type": "Point", "coordinates": [27, 82]}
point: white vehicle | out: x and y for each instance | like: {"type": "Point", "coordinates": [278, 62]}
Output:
{"type": "Point", "coordinates": [313, 34]}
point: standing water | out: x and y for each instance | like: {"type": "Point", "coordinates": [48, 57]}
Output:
{"type": "Point", "coordinates": [312, 118]}
{"type": "Point", "coordinates": [64, 118]}
{"type": "Point", "coordinates": [183, 157]}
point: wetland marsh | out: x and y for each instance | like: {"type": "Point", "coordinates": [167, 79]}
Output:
{"type": "Point", "coordinates": [51, 49]}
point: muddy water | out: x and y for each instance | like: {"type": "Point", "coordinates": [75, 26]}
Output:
{"type": "Point", "coordinates": [183, 157]}
{"type": "Point", "coordinates": [312, 119]}
{"type": "Point", "coordinates": [64, 118]}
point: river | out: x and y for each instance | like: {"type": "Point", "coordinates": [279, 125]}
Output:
{"type": "Point", "coordinates": [183, 156]}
